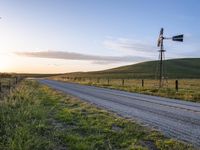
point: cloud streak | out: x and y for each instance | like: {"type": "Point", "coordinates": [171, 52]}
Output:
{"type": "Point", "coordinates": [78, 56]}
{"type": "Point", "coordinates": [131, 46]}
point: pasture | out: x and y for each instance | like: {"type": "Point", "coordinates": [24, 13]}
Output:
{"type": "Point", "coordinates": [188, 89]}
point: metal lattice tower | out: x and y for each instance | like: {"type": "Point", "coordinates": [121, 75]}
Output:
{"type": "Point", "coordinates": [161, 38]}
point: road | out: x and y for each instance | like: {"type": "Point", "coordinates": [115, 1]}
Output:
{"type": "Point", "coordinates": [175, 118]}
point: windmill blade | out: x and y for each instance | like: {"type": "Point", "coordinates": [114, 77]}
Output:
{"type": "Point", "coordinates": [160, 38]}
{"type": "Point", "coordinates": [178, 38]}
{"type": "Point", "coordinates": [161, 31]}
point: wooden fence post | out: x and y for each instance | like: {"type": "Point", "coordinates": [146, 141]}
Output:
{"type": "Point", "coordinates": [176, 85]}
{"type": "Point", "coordinates": [9, 85]}
{"type": "Point", "coordinates": [142, 83]}
{"type": "Point", "coordinates": [108, 81]}
{"type": "Point", "coordinates": [97, 80]}
{"type": "Point", "coordinates": [122, 82]}
{"type": "Point", "coordinates": [0, 88]}
{"type": "Point", "coordinates": [15, 82]}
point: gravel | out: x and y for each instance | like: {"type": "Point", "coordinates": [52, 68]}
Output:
{"type": "Point", "coordinates": [175, 118]}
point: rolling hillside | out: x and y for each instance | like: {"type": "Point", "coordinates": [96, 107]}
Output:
{"type": "Point", "coordinates": [174, 68]}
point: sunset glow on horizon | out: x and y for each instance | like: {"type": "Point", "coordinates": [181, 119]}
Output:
{"type": "Point", "coordinates": [68, 36]}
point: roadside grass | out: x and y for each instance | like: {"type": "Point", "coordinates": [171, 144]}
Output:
{"type": "Point", "coordinates": [189, 89]}
{"type": "Point", "coordinates": [23, 119]}
{"type": "Point", "coordinates": [36, 117]}
{"type": "Point", "coordinates": [6, 83]}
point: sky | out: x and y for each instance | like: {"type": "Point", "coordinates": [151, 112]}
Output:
{"type": "Point", "coordinates": [58, 36]}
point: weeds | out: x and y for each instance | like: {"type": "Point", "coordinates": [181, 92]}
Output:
{"type": "Point", "coordinates": [37, 117]}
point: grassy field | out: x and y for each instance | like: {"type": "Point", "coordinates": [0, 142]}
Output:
{"type": "Point", "coordinates": [36, 117]}
{"type": "Point", "coordinates": [189, 89]}
{"type": "Point", "coordinates": [173, 69]}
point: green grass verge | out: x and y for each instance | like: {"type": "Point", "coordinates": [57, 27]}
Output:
{"type": "Point", "coordinates": [37, 117]}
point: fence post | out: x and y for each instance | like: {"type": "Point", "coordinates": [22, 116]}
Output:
{"type": "Point", "coordinates": [15, 80]}
{"type": "Point", "coordinates": [176, 85]}
{"type": "Point", "coordinates": [0, 88]}
{"type": "Point", "coordinates": [9, 85]}
{"type": "Point", "coordinates": [97, 80]}
{"type": "Point", "coordinates": [122, 82]}
{"type": "Point", "coordinates": [108, 81]}
{"type": "Point", "coordinates": [142, 83]}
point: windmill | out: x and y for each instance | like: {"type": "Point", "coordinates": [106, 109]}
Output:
{"type": "Point", "coordinates": [161, 38]}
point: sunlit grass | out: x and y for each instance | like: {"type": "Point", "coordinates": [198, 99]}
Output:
{"type": "Point", "coordinates": [37, 117]}
{"type": "Point", "coordinates": [189, 89]}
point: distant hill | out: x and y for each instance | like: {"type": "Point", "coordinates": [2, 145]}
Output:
{"type": "Point", "coordinates": [174, 68]}
{"type": "Point", "coordinates": [10, 75]}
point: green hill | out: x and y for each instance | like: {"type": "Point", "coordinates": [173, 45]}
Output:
{"type": "Point", "coordinates": [174, 68]}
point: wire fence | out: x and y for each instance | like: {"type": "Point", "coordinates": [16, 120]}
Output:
{"type": "Point", "coordinates": [7, 84]}
{"type": "Point", "coordinates": [139, 83]}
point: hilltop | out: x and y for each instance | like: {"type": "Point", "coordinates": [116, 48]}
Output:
{"type": "Point", "coordinates": [174, 68]}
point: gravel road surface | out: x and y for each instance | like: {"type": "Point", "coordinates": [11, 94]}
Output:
{"type": "Point", "coordinates": [175, 118]}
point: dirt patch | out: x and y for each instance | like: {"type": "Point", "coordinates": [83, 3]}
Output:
{"type": "Point", "coordinates": [116, 128]}
{"type": "Point", "coordinates": [149, 144]}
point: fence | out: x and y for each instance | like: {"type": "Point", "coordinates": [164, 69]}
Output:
{"type": "Point", "coordinates": [7, 83]}
{"type": "Point", "coordinates": [143, 83]}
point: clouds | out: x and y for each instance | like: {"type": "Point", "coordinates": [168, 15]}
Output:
{"type": "Point", "coordinates": [134, 50]}
{"type": "Point", "coordinates": [130, 46]}
{"type": "Point", "coordinates": [79, 56]}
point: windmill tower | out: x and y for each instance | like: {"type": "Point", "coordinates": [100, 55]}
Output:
{"type": "Point", "coordinates": [161, 38]}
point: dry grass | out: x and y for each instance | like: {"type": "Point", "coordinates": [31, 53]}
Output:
{"type": "Point", "coordinates": [189, 89]}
